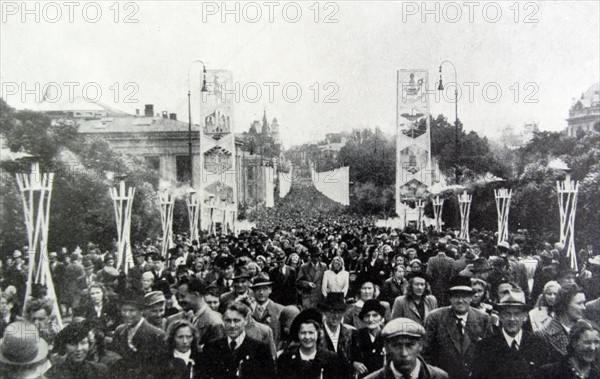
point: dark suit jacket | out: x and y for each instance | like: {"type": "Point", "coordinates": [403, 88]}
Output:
{"type": "Point", "coordinates": [149, 345]}
{"type": "Point", "coordinates": [284, 286]}
{"type": "Point", "coordinates": [344, 346]}
{"type": "Point", "coordinates": [366, 352]}
{"type": "Point", "coordinates": [403, 307]}
{"type": "Point", "coordinates": [426, 372]}
{"type": "Point", "coordinates": [252, 359]}
{"type": "Point", "coordinates": [446, 348]}
{"type": "Point", "coordinates": [109, 318]}
{"type": "Point", "coordinates": [209, 324]}
{"type": "Point", "coordinates": [439, 270]}
{"type": "Point", "coordinates": [308, 273]}
{"type": "Point", "coordinates": [325, 365]}
{"type": "Point", "coordinates": [495, 360]}
{"type": "Point", "coordinates": [270, 317]}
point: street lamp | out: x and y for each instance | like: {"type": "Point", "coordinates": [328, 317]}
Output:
{"type": "Point", "coordinates": [190, 115]}
{"type": "Point", "coordinates": [441, 88]}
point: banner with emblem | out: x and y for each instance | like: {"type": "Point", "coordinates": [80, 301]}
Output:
{"type": "Point", "coordinates": [413, 136]}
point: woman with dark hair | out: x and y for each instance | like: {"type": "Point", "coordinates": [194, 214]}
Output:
{"type": "Point", "coordinates": [183, 358]}
{"type": "Point", "coordinates": [98, 307]}
{"type": "Point", "coordinates": [583, 353]}
{"type": "Point", "coordinates": [306, 359]}
{"type": "Point", "coordinates": [569, 308]}
{"type": "Point", "coordinates": [418, 301]}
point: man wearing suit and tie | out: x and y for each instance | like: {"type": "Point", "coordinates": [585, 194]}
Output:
{"type": "Point", "coordinates": [266, 311]}
{"type": "Point", "coordinates": [337, 336]}
{"type": "Point", "coordinates": [237, 355]}
{"type": "Point", "coordinates": [137, 342]}
{"type": "Point", "coordinates": [453, 331]}
{"type": "Point", "coordinates": [310, 279]}
{"type": "Point", "coordinates": [284, 280]}
{"type": "Point", "coordinates": [85, 280]}
{"type": "Point", "coordinates": [191, 297]}
{"type": "Point", "coordinates": [513, 352]}
{"type": "Point", "coordinates": [241, 288]}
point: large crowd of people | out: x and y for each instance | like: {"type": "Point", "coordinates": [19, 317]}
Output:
{"type": "Point", "coordinates": [312, 292]}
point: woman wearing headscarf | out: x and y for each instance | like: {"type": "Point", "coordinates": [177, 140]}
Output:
{"type": "Point", "coordinates": [542, 314]}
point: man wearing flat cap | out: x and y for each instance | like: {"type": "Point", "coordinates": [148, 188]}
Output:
{"type": "Point", "coordinates": [513, 352]}
{"type": "Point", "coordinates": [73, 343]}
{"type": "Point", "coordinates": [404, 341]}
{"type": "Point", "coordinates": [155, 309]}
{"type": "Point", "coordinates": [453, 331]}
{"type": "Point", "coordinates": [310, 279]}
{"type": "Point", "coordinates": [136, 341]}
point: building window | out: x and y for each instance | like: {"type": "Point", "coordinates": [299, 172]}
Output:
{"type": "Point", "coordinates": [251, 172]}
{"type": "Point", "coordinates": [153, 162]}
{"type": "Point", "coordinates": [184, 168]}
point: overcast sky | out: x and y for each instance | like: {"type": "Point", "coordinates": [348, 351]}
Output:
{"type": "Point", "coordinates": [539, 54]}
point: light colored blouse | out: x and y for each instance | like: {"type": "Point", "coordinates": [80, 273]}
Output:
{"type": "Point", "coordinates": [333, 282]}
{"type": "Point", "coordinates": [539, 318]}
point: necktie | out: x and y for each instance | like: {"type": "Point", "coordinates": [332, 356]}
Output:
{"type": "Point", "coordinates": [232, 345]}
{"type": "Point", "coordinates": [460, 327]}
{"type": "Point", "coordinates": [515, 346]}
{"type": "Point", "coordinates": [260, 310]}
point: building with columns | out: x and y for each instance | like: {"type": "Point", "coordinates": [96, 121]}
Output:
{"type": "Point", "coordinates": [585, 112]}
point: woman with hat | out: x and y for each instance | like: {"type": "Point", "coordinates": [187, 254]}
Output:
{"type": "Point", "coordinates": [367, 291]}
{"type": "Point", "coordinates": [73, 343]}
{"type": "Point", "coordinates": [306, 359]}
{"type": "Point", "coordinates": [23, 354]}
{"type": "Point", "coordinates": [367, 346]}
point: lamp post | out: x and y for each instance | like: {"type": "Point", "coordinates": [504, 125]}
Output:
{"type": "Point", "coordinates": [441, 88]}
{"type": "Point", "coordinates": [190, 115]}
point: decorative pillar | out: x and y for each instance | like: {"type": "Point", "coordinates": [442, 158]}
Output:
{"type": "Point", "coordinates": [36, 192]}
{"type": "Point", "coordinates": [503, 197]}
{"type": "Point", "coordinates": [567, 203]}
{"type": "Point", "coordinates": [193, 205]}
{"type": "Point", "coordinates": [421, 209]}
{"type": "Point", "coordinates": [167, 202]}
{"type": "Point", "coordinates": [438, 205]}
{"type": "Point", "coordinates": [464, 201]}
{"type": "Point", "coordinates": [123, 201]}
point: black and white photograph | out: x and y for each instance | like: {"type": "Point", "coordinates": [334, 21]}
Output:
{"type": "Point", "coordinates": [299, 189]}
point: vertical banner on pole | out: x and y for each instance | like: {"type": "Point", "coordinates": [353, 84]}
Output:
{"type": "Point", "coordinates": [503, 197]}
{"type": "Point", "coordinates": [567, 204]}
{"type": "Point", "coordinates": [193, 206]}
{"type": "Point", "coordinates": [413, 152]}
{"type": "Point", "coordinates": [421, 209]}
{"type": "Point", "coordinates": [438, 205]}
{"type": "Point", "coordinates": [464, 201]}
{"type": "Point", "coordinates": [217, 145]}
{"type": "Point", "coordinates": [37, 224]}
{"type": "Point", "coordinates": [167, 202]}
{"type": "Point", "coordinates": [123, 202]}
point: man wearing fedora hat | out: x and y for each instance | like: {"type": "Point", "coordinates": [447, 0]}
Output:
{"type": "Point", "coordinates": [513, 352]}
{"type": "Point", "coordinates": [310, 279]}
{"type": "Point", "coordinates": [283, 277]}
{"type": "Point", "coordinates": [241, 288]}
{"type": "Point", "coordinates": [337, 336]}
{"type": "Point", "coordinates": [404, 341]}
{"type": "Point", "coordinates": [23, 354]}
{"type": "Point", "coordinates": [266, 311]}
{"type": "Point", "coordinates": [453, 331]}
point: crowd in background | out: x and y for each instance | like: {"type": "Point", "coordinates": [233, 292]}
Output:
{"type": "Point", "coordinates": [311, 293]}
